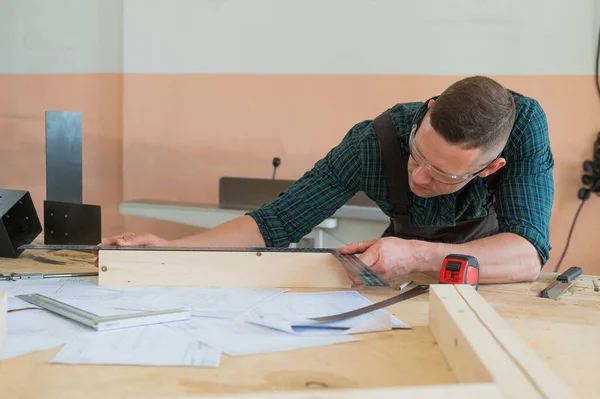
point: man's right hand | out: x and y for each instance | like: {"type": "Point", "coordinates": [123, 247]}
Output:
{"type": "Point", "coordinates": [132, 239]}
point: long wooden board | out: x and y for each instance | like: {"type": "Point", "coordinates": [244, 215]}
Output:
{"type": "Point", "coordinates": [222, 269]}
{"type": "Point", "coordinates": [471, 350]}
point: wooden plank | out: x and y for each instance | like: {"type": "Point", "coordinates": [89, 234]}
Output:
{"type": "Point", "coordinates": [458, 391]}
{"type": "Point", "coordinates": [221, 268]}
{"type": "Point", "coordinates": [3, 318]}
{"type": "Point", "coordinates": [472, 352]}
{"type": "Point", "coordinates": [539, 373]}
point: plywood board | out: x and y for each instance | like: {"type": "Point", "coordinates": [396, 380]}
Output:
{"type": "Point", "coordinates": [221, 268]}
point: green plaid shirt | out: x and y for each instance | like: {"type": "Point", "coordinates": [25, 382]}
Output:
{"type": "Point", "coordinates": [523, 203]}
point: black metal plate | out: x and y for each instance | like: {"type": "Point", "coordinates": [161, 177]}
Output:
{"type": "Point", "coordinates": [64, 157]}
{"type": "Point", "coordinates": [74, 224]}
{"type": "Point", "coordinates": [19, 222]}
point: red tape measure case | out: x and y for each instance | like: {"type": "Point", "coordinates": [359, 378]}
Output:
{"type": "Point", "coordinates": [460, 269]}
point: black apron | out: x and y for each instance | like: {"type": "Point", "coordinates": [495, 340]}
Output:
{"type": "Point", "coordinates": [399, 195]}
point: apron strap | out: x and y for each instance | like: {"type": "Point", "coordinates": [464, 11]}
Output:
{"type": "Point", "coordinates": [395, 164]}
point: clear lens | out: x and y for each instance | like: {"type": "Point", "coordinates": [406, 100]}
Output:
{"type": "Point", "coordinates": [434, 173]}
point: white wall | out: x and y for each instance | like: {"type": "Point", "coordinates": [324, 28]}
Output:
{"type": "Point", "coordinates": [61, 36]}
{"type": "Point", "coordinates": [299, 36]}
{"type": "Point", "coordinates": [360, 36]}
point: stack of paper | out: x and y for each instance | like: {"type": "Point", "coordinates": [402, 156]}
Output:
{"type": "Point", "coordinates": [234, 321]}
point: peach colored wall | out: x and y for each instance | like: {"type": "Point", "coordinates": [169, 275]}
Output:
{"type": "Point", "coordinates": [23, 102]}
{"type": "Point", "coordinates": [183, 132]}
{"type": "Point", "coordinates": [173, 136]}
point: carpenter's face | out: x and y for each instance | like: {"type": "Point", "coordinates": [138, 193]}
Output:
{"type": "Point", "coordinates": [437, 167]}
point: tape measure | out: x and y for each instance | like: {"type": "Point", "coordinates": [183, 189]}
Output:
{"type": "Point", "coordinates": [460, 269]}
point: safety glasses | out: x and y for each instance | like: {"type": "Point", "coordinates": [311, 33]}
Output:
{"type": "Point", "coordinates": [435, 173]}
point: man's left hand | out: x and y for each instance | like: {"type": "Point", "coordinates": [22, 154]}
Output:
{"type": "Point", "coordinates": [389, 257]}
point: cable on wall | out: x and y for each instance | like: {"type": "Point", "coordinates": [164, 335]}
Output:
{"type": "Point", "coordinates": [588, 166]}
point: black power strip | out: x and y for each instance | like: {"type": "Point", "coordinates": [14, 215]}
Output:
{"type": "Point", "coordinates": [591, 176]}
{"type": "Point", "coordinates": [591, 182]}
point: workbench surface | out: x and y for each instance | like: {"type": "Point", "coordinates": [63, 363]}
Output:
{"type": "Point", "coordinates": [564, 332]}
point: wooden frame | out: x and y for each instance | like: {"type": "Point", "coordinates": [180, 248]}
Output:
{"type": "Point", "coordinates": [3, 317]}
{"type": "Point", "coordinates": [221, 269]}
{"type": "Point", "coordinates": [487, 356]}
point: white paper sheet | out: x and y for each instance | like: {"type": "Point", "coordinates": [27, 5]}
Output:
{"type": "Point", "coordinates": [219, 302]}
{"type": "Point", "coordinates": [222, 325]}
{"type": "Point", "coordinates": [291, 313]}
{"type": "Point", "coordinates": [74, 288]}
{"type": "Point", "coordinates": [156, 345]}
{"type": "Point", "coordinates": [240, 338]}
{"type": "Point", "coordinates": [225, 302]}
{"type": "Point", "coordinates": [34, 330]}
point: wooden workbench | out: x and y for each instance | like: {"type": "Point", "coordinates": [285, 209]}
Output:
{"type": "Point", "coordinates": [565, 333]}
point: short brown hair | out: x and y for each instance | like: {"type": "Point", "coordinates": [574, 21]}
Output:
{"type": "Point", "coordinates": [475, 112]}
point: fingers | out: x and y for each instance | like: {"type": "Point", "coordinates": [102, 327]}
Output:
{"type": "Point", "coordinates": [116, 240]}
{"type": "Point", "coordinates": [369, 257]}
{"type": "Point", "coordinates": [356, 247]}
{"type": "Point", "coordinates": [133, 239]}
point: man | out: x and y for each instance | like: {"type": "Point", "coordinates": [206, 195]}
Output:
{"type": "Point", "coordinates": [468, 171]}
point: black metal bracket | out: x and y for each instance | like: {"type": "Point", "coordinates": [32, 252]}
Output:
{"type": "Point", "coordinates": [67, 220]}
{"type": "Point", "coordinates": [19, 222]}
{"type": "Point", "coordinates": [69, 223]}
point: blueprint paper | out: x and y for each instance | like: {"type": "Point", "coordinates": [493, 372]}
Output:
{"type": "Point", "coordinates": [233, 320]}
{"type": "Point", "coordinates": [156, 345]}
{"type": "Point", "coordinates": [240, 338]}
{"type": "Point", "coordinates": [72, 288]}
{"type": "Point", "coordinates": [222, 302]}
{"type": "Point", "coordinates": [291, 313]}
{"type": "Point", "coordinates": [37, 329]}
{"type": "Point", "coordinates": [219, 302]}
{"type": "Point", "coordinates": [378, 321]}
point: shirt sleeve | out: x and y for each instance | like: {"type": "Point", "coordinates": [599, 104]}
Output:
{"type": "Point", "coordinates": [526, 190]}
{"type": "Point", "coordinates": [317, 195]}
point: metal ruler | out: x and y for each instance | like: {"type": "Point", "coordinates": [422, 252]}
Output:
{"type": "Point", "coordinates": [104, 323]}
{"type": "Point", "coordinates": [418, 290]}
{"type": "Point", "coordinates": [351, 262]}
{"type": "Point", "coordinates": [39, 276]}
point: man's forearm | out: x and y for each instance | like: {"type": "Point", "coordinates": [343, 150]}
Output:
{"type": "Point", "coordinates": [240, 232]}
{"type": "Point", "coordinates": [503, 258]}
